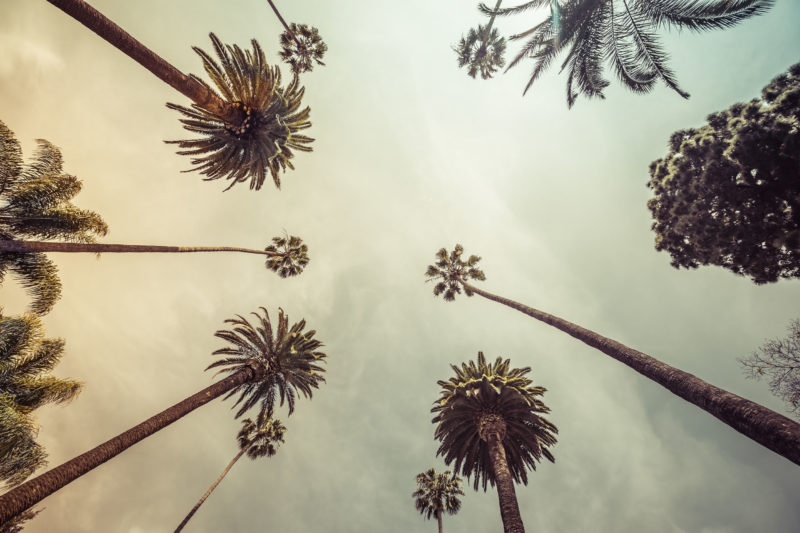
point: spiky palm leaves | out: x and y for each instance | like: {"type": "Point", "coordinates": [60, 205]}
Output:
{"type": "Point", "coordinates": [289, 356]}
{"type": "Point", "coordinates": [484, 397]}
{"type": "Point", "coordinates": [622, 32]}
{"type": "Point", "coordinates": [264, 140]}
{"type": "Point", "coordinates": [481, 51]}
{"type": "Point", "coordinates": [26, 357]}
{"type": "Point", "coordinates": [437, 493]}
{"type": "Point", "coordinates": [450, 271]}
{"type": "Point", "coordinates": [301, 47]}
{"type": "Point", "coordinates": [290, 256]}
{"type": "Point", "coordinates": [35, 203]}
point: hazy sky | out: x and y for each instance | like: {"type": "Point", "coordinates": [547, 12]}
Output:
{"type": "Point", "coordinates": [411, 155]}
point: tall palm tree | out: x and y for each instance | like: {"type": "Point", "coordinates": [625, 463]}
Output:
{"type": "Point", "coordinates": [489, 424]}
{"type": "Point", "coordinates": [770, 429]}
{"type": "Point", "coordinates": [287, 256]}
{"type": "Point", "coordinates": [261, 364]}
{"type": "Point", "coordinates": [622, 32]}
{"type": "Point", "coordinates": [482, 49]}
{"type": "Point", "coordinates": [26, 358]}
{"type": "Point", "coordinates": [257, 439]}
{"type": "Point", "coordinates": [437, 493]}
{"type": "Point", "coordinates": [35, 203]}
{"type": "Point", "coordinates": [301, 45]}
{"type": "Point", "coordinates": [249, 128]}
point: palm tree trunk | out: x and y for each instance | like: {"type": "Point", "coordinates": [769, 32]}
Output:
{"type": "Point", "coordinates": [211, 488]}
{"type": "Point", "coordinates": [35, 490]}
{"type": "Point", "coordinates": [277, 13]}
{"type": "Point", "coordinates": [439, 519]}
{"type": "Point", "coordinates": [509, 509]}
{"type": "Point", "coordinates": [123, 41]}
{"type": "Point", "coordinates": [770, 429]}
{"type": "Point", "coordinates": [73, 247]}
{"type": "Point", "coordinates": [491, 23]}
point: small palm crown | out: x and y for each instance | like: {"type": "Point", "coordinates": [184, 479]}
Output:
{"type": "Point", "coordinates": [437, 493]}
{"type": "Point", "coordinates": [261, 437]}
{"type": "Point", "coordinates": [284, 361]}
{"type": "Point", "coordinates": [290, 256]}
{"type": "Point", "coordinates": [482, 50]}
{"type": "Point", "coordinates": [301, 47]}
{"type": "Point", "coordinates": [484, 401]}
{"type": "Point", "coordinates": [263, 140]}
{"type": "Point", "coordinates": [452, 272]}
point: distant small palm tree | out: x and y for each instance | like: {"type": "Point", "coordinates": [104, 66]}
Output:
{"type": "Point", "coordinates": [26, 358]}
{"type": "Point", "coordinates": [622, 32]}
{"type": "Point", "coordinates": [35, 203]}
{"type": "Point", "coordinates": [262, 364]}
{"type": "Point", "coordinates": [770, 429]}
{"type": "Point", "coordinates": [257, 439]}
{"type": "Point", "coordinates": [437, 493]}
{"type": "Point", "coordinates": [482, 49]}
{"type": "Point", "coordinates": [249, 129]}
{"type": "Point", "coordinates": [489, 423]}
{"type": "Point", "coordinates": [301, 45]}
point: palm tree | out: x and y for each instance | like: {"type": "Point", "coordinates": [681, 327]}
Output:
{"type": "Point", "coordinates": [482, 49]}
{"type": "Point", "coordinates": [300, 44]}
{"type": "Point", "coordinates": [35, 202]}
{"type": "Point", "coordinates": [262, 365]}
{"type": "Point", "coordinates": [489, 424]}
{"type": "Point", "coordinates": [622, 32]}
{"type": "Point", "coordinates": [257, 439]}
{"type": "Point", "coordinates": [437, 493]}
{"type": "Point", "coordinates": [249, 128]}
{"type": "Point", "coordinates": [287, 256]}
{"type": "Point", "coordinates": [26, 358]}
{"type": "Point", "coordinates": [770, 429]}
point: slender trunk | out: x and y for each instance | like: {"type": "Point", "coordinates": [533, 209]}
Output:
{"type": "Point", "coordinates": [123, 41]}
{"type": "Point", "coordinates": [73, 247]}
{"type": "Point", "coordinates": [509, 510]}
{"type": "Point", "coordinates": [212, 487]}
{"type": "Point", "coordinates": [33, 491]}
{"type": "Point", "coordinates": [491, 23]}
{"type": "Point", "coordinates": [770, 429]}
{"type": "Point", "coordinates": [277, 13]}
{"type": "Point", "coordinates": [439, 519]}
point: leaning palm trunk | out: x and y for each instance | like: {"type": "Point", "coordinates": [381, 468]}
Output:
{"type": "Point", "coordinates": [509, 509]}
{"type": "Point", "coordinates": [72, 247]}
{"type": "Point", "coordinates": [33, 491]}
{"type": "Point", "coordinates": [190, 87]}
{"type": "Point", "coordinates": [280, 18]}
{"type": "Point", "coordinates": [770, 429]}
{"type": "Point", "coordinates": [211, 489]}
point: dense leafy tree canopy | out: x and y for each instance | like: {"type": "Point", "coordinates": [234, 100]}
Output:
{"type": "Point", "coordinates": [437, 493]}
{"type": "Point", "coordinates": [261, 437]}
{"type": "Point", "coordinates": [35, 203]}
{"type": "Point", "coordinates": [290, 256]}
{"type": "Point", "coordinates": [728, 193]}
{"type": "Point", "coordinates": [301, 47]}
{"type": "Point", "coordinates": [779, 361]}
{"type": "Point", "coordinates": [450, 271]}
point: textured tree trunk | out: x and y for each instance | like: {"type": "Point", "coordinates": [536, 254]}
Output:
{"type": "Point", "coordinates": [439, 519]}
{"type": "Point", "coordinates": [211, 488]}
{"type": "Point", "coordinates": [72, 247]}
{"type": "Point", "coordinates": [191, 88]}
{"type": "Point", "coordinates": [277, 13]}
{"type": "Point", "coordinates": [509, 510]}
{"type": "Point", "coordinates": [35, 490]}
{"type": "Point", "coordinates": [770, 429]}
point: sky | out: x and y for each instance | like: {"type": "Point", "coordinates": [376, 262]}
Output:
{"type": "Point", "coordinates": [410, 155]}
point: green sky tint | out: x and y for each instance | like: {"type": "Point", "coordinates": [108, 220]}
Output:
{"type": "Point", "coordinates": [411, 155]}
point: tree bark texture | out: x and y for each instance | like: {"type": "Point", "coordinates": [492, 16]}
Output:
{"type": "Point", "coordinates": [73, 247]}
{"type": "Point", "coordinates": [123, 41]}
{"type": "Point", "coordinates": [439, 519]}
{"type": "Point", "coordinates": [33, 491]}
{"type": "Point", "coordinates": [211, 488]}
{"type": "Point", "coordinates": [770, 429]}
{"type": "Point", "coordinates": [509, 509]}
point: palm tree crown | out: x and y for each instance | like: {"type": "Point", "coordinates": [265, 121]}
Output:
{"type": "Point", "coordinates": [264, 140]}
{"type": "Point", "coordinates": [290, 256]}
{"type": "Point", "coordinates": [301, 47]}
{"type": "Point", "coordinates": [289, 358]}
{"type": "Point", "coordinates": [482, 51]}
{"type": "Point", "coordinates": [35, 202]}
{"type": "Point", "coordinates": [437, 493]}
{"type": "Point", "coordinates": [622, 32]}
{"type": "Point", "coordinates": [484, 398]}
{"type": "Point", "coordinates": [26, 357]}
{"type": "Point", "coordinates": [262, 437]}
{"type": "Point", "coordinates": [450, 271]}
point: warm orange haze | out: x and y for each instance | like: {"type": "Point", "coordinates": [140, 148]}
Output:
{"type": "Point", "coordinates": [628, 171]}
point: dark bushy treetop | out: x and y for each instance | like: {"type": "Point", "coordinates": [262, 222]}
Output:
{"type": "Point", "coordinates": [728, 193]}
